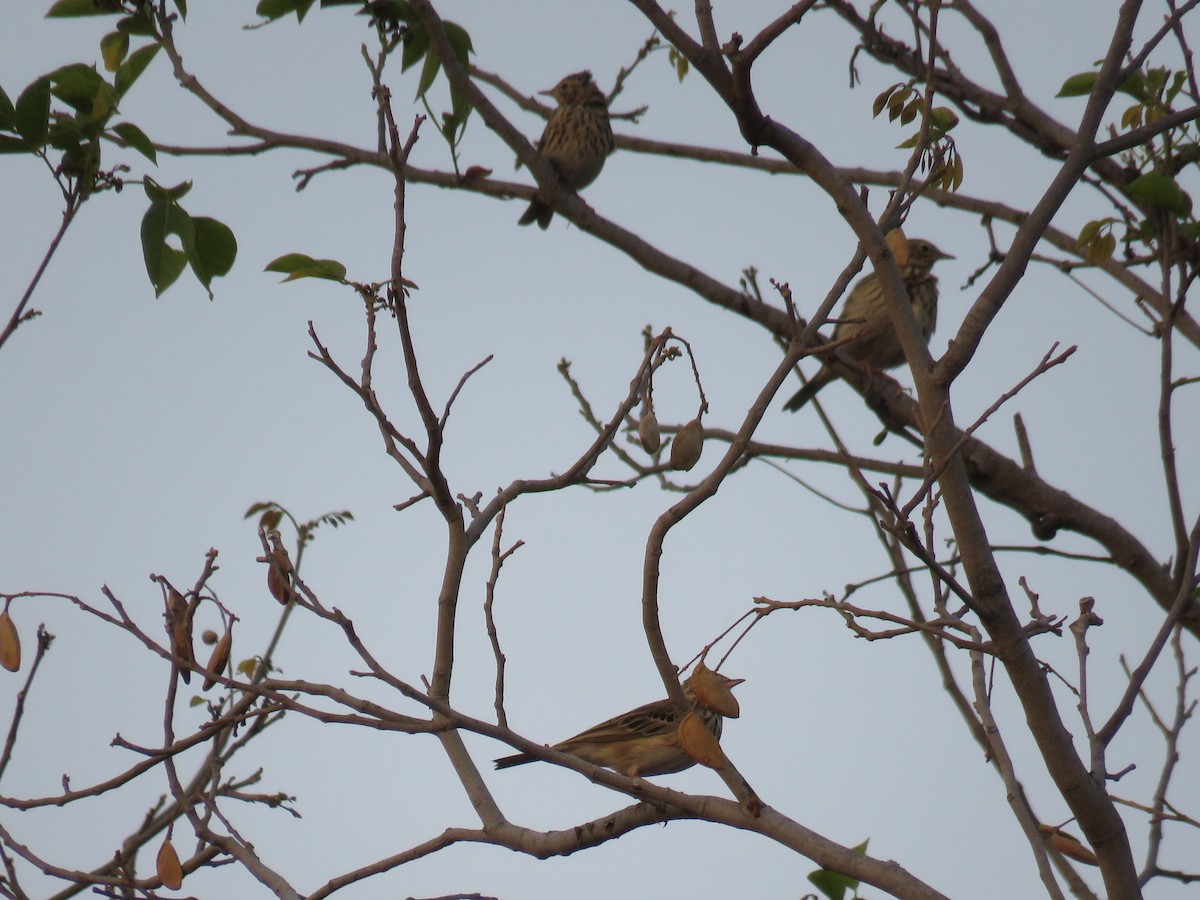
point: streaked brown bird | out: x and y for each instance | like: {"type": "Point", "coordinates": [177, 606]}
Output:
{"type": "Point", "coordinates": [577, 139]}
{"type": "Point", "coordinates": [866, 314]}
{"type": "Point", "coordinates": [644, 741]}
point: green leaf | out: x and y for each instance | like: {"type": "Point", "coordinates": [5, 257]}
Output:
{"type": "Point", "coordinates": [136, 138]}
{"type": "Point", "coordinates": [129, 71]}
{"type": "Point", "coordinates": [1177, 84]}
{"type": "Point", "coordinates": [1078, 85]}
{"type": "Point", "coordinates": [681, 67]}
{"type": "Point", "coordinates": [181, 5]}
{"type": "Point", "coordinates": [1161, 191]}
{"type": "Point", "coordinates": [882, 100]}
{"type": "Point", "coordinates": [113, 47]}
{"type": "Point", "coordinates": [165, 263]}
{"type": "Point", "coordinates": [159, 194]}
{"type": "Point", "coordinates": [460, 41]}
{"type": "Point", "coordinates": [1089, 232]}
{"type": "Point", "coordinates": [8, 112]}
{"type": "Point", "coordinates": [943, 118]}
{"type": "Point", "coordinates": [832, 884]}
{"type": "Point", "coordinates": [69, 9]}
{"type": "Point", "coordinates": [298, 265]}
{"type": "Point", "coordinates": [83, 89]}
{"type": "Point", "coordinates": [277, 9]}
{"type": "Point", "coordinates": [9, 144]}
{"type": "Point", "coordinates": [214, 249]}
{"type": "Point", "coordinates": [385, 12]}
{"type": "Point", "coordinates": [416, 45]}
{"type": "Point", "coordinates": [31, 115]}
{"type": "Point", "coordinates": [139, 24]}
{"type": "Point", "coordinates": [66, 133]}
{"type": "Point", "coordinates": [428, 73]}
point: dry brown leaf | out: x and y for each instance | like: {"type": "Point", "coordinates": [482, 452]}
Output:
{"type": "Point", "coordinates": [698, 742]}
{"type": "Point", "coordinates": [1068, 845]}
{"type": "Point", "coordinates": [219, 659]}
{"type": "Point", "coordinates": [898, 244]}
{"type": "Point", "coordinates": [687, 446]}
{"type": "Point", "coordinates": [278, 582]}
{"type": "Point", "coordinates": [179, 622]}
{"type": "Point", "coordinates": [475, 173]}
{"type": "Point", "coordinates": [649, 434]}
{"type": "Point", "coordinates": [170, 872]}
{"type": "Point", "coordinates": [10, 643]}
{"type": "Point", "coordinates": [714, 690]}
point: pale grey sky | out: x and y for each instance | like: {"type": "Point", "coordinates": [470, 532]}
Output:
{"type": "Point", "coordinates": [136, 432]}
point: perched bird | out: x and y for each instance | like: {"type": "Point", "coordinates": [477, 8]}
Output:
{"type": "Point", "coordinates": [866, 314]}
{"type": "Point", "coordinates": [577, 139]}
{"type": "Point", "coordinates": [644, 741]}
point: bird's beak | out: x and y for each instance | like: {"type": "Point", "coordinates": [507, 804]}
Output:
{"type": "Point", "coordinates": [942, 255]}
{"type": "Point", "coordinates": [549, 93]}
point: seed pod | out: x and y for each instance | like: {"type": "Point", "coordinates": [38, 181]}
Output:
{"type": "Point", "coordinates": [179, 626]}
{"type": "Point", "coordinates": [698, 742]}
{"type": "Point", "coordinates": [278, 581]}
{"type": "Point", "coordinates": [170, 872]}
{"type": "Point", "coordinates": [1068, 845]}
{"type": "Point", "coordinates": [714, 690]}
{"type": "Point", "coordinates": [687, 446]}
{"type": "Point", "coordinates": [209, 637]}
{"type": "Point", "coordinates": [649, 434]}
{"type": "Point", "coordinates": [219, 659]}
{"type": "Point", "coordinates": [10, 643]}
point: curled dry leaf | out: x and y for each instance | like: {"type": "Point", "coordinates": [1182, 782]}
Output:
{"type": "Point", "coordinates": [898, 244]}
{"type": "Point", "coordinates": [1068, 845]}
{"type": "Point", "coordinates": [10, 643]}
{"type": "Point", "coordinates": [219, 659]}
{"type": "Point", "coordinates": [179, 625]}
{"type": "Point", "coordinates": [170, 872]}
{"type": "Point", "coordinates": [649, 434]}
{"type": "Point", "coordinates": [699, 743]}
{"type": "Point", "coordinates": [278, 581]}
{"type": "Point", "coordinates": [714, 690]}
{"type": "Point", "coordinates": [687, 446]}
{"type": "Point", "coordinates": [475, 173]}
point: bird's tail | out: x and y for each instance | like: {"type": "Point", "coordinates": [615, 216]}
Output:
{"type": "Point", "coordinates": [537, 212]}
{"type": "Point", "coordinates": [517, 759]}
{"type": "Point", "coordinates": [806, 393]}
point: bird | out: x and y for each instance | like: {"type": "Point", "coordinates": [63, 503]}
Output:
{"type": "Point", "coordinates": [865, 313]}
{"type": "Point", "coordinates": [644, 741]}
{"type": "Point", "coordinates": [577, 139]}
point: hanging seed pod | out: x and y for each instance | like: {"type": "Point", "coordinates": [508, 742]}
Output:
{"type": "Point", "coordinates": [649, 434]}
{"type": "Point", "coordinates": [687, 446]}
{"type": "Point", "coordinates": [10, 643]}
{"type": "Point", "coordinates": [179, 626]}
{"type": "Point", "coordinates": [167, 866]}
{"type": "Point", "coordinates": [219, 659]}
{"type": "Point", "coordinates": [699, 743]}
{"type": "Point", "coordinates": [279, 582]}
{"type": "Point", "coordinates": [1069, 845]}
{"type": "Point", "coordinates": [208, 637]}
{"type": "Point", "coordinates": [714, 690]}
